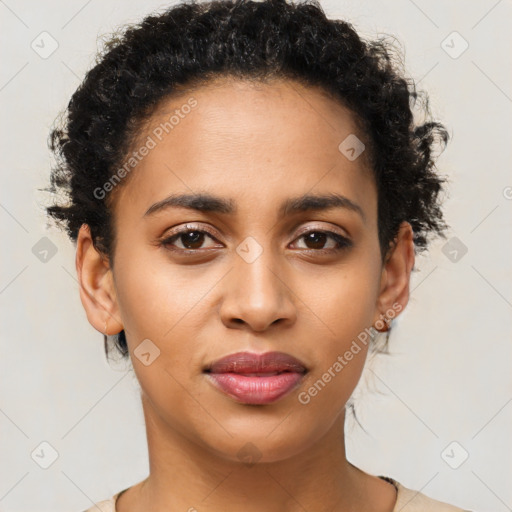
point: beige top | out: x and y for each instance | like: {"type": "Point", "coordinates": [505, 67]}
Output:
{"type": "Point", "coordinates": [407, 501]}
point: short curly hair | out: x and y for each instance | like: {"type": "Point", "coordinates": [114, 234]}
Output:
{"type": "Point", "coordinates": [191, 43]}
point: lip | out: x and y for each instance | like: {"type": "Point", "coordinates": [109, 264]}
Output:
{"type": "Point", "coordinates": [251, 362]}
{"type": "Point", "coordinates": [252, 378]}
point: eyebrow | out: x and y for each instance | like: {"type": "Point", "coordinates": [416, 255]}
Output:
{"type": "Point", "coordinates": [205, 202]}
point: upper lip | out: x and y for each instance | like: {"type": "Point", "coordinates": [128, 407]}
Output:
{"type": "Point", "coordinates": [250, 362]}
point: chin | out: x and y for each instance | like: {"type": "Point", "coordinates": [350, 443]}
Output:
{"type": "Point", "coordinates": [250, 446]}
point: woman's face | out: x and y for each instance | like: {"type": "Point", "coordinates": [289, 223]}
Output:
{"type": "Point", "coordinates": [248, 275]}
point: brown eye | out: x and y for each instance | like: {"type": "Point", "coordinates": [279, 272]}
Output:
{"type": "Point", "coordinates": [188, 240]}
{"type": "Point", "coordinates": [192, 239]}
{"type": "Point", "coordinates": [316, 241]}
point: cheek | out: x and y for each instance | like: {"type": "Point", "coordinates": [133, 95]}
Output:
{"type": "Point", "coordinates": [158, 302]}
{"type": "Point", "coordinates": [340, 357]}
{"type": "Point", "coordinates": [345, 304]}
{"type": "Point", "coordinates": [155, 296]}
{"type": "Point", "coordinates": [168, 305]}
{"type": "Point", "coordinates": [345, 299]}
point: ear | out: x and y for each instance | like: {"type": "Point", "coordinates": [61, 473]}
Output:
{"type": "Point", "coordinates": [97, 291]}
{"type": "Point", "coordinates": [395, 277]}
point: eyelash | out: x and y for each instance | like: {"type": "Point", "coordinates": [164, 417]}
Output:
{"type": "Point", "coordinates": [342, 242]}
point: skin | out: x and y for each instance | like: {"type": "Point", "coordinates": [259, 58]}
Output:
{"type": "Point", "coordinates": [257, 145]}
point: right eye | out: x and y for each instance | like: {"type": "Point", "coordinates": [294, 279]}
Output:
{"type": "Point", "coordinates": [190, 238]}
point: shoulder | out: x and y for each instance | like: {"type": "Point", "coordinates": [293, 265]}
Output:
{"type": "Point", "coordinates": [409, 500]}
{"type": "Point", "coordinates": [108, 505]}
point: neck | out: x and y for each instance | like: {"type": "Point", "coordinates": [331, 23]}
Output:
{"type": "Point", "coordinates": [187, 476]}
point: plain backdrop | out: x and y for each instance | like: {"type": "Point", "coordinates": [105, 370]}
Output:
{"type": "Point", "coordinates": [437, 411]}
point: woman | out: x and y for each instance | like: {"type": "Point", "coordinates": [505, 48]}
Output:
{"type": "Point", "coordinates": [247, 191]}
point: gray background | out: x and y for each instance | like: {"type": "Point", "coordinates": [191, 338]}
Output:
{"type": "Point", "coordinates": [449, 377]}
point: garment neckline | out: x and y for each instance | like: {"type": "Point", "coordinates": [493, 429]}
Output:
{"type": "Point", "coordinates": [393, 482]}
{"type": "Point", "coordinates": [388, 479]}
{"type": "Point", "coordinates": [116, 497]}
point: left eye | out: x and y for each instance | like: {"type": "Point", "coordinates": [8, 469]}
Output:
{"type": "Point", "coordinates": [318, 238]}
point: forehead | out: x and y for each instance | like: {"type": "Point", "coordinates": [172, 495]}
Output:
{"type": "Point", "coordinates": [247, 138]}
{"type": "Point", "coordinates": [229, 113]}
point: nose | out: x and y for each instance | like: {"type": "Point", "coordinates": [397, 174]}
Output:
{"type": "Point", "coordinates": [258, 295]}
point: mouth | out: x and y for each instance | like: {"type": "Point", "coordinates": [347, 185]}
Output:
{"type": "Point", "coordinates": [256, 379]}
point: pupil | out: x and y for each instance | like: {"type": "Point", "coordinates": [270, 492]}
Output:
{"type": "Point", "coordinates": [316, 239]}
{"type": "Point", "coordinates": [193, 238]}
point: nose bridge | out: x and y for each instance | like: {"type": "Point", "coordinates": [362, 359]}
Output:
{"type": "Point", "coordinates": [257, 294]}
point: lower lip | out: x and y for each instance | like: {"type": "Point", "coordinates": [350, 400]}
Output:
{"type": "Point", "coordinates": [256, 390]}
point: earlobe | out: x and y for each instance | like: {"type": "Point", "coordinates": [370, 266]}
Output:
{"type": "Point", "coordinates": [97, 291]}
{"type": "Point", "coordinates": [395, 278]}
